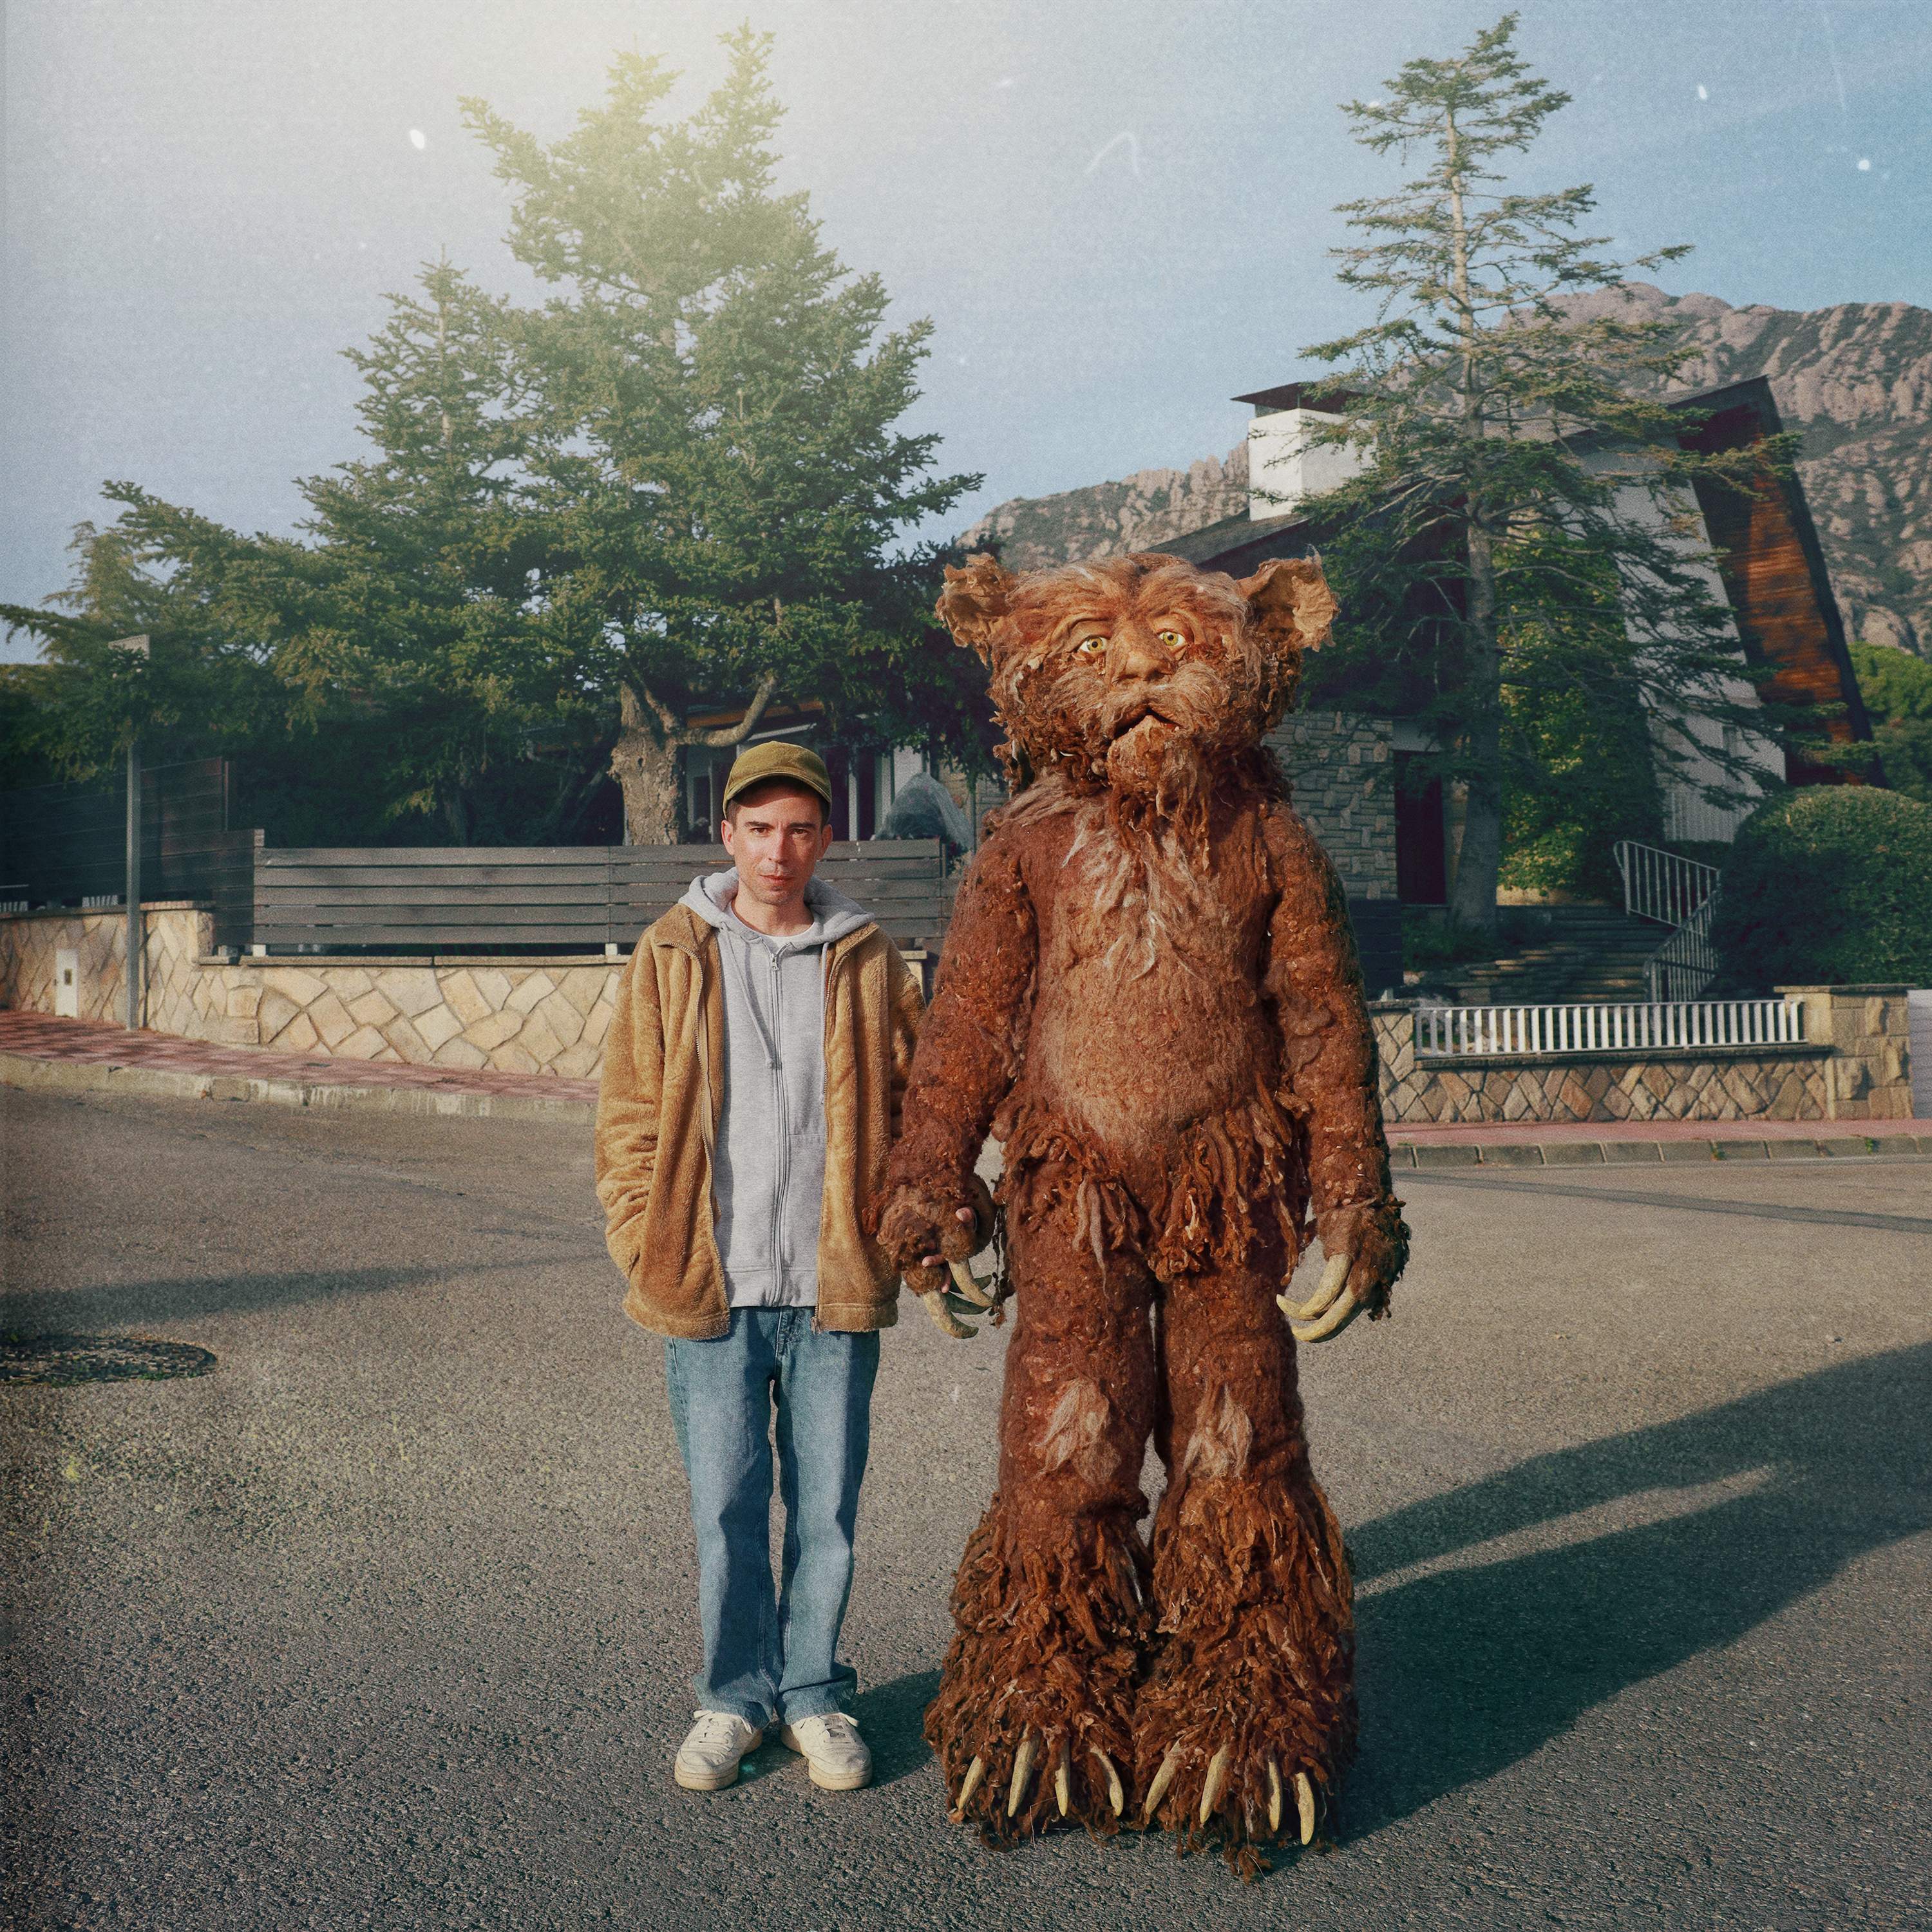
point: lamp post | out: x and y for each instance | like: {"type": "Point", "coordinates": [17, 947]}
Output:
{"type": "Point", "coordinates": [136, 647]}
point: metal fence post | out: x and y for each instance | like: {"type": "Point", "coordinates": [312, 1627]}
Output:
{"type": "Point", "coordinates": [133, 883]}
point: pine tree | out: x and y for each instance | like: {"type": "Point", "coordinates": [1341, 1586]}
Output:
{"type": "Point", "coordinates": [1523, 481]}
{"type": "Point", "coordinates": [716, 466]}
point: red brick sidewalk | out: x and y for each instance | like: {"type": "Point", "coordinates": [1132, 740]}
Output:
{"type": "Point", "coordinates": [35, 1048]}
{"type": "Point", "coordinates": [40, 1037]}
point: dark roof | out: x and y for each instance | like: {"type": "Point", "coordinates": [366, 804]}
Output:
{"type": "Point", "coordinates": [1296, 396]}
{"type": "Point", "coordinates": [1239, 544]}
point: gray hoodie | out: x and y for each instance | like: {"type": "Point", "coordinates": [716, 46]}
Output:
{"type": "Point", "coordinates": [768, 1178]}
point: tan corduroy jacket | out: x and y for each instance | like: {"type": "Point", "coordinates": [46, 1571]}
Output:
{"type": "Point", "coordinates": [657, 1113]}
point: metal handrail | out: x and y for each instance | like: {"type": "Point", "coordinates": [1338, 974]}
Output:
{"type": "Point", "coordinates": [1671, 890]}
{"type": "Point", "coordinates": [1660, 885]}
{"type": "Point", "coordinates": [1654, 1026]}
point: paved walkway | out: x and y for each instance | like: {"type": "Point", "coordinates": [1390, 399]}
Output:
{"type": "Point", "coordinates": [37, 1050]}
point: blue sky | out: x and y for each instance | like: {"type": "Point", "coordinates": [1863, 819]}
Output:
{"type": "Point", "coordinates": [1117, 215]}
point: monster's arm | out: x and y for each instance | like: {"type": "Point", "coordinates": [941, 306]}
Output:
{"type": "Point", "coordinates": [970, 1049]}
{"type": "Point", "coordinates": [1328, 1069]}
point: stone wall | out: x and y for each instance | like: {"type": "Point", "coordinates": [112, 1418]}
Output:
{"type": "Point", "coordinates": [1342, 765]}
{"type": "Point", "coordinates": [174, 935]}
{"type": "Point", "coordinates": [1869, 1075]}
{"type": "Point", "coordinates": [1853, 1064]}
{"type": "Point", "coordinates": [524, 1015]}
{"type": "Point", "coordinates": [518, 1015]}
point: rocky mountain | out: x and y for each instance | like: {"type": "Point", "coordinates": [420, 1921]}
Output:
{"type": "Point", "coordinates": [1855, 381]}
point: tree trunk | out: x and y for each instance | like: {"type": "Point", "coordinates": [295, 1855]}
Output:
{"type": "Point", "coordinates": [1472, 899]}
{"type": "Point", "coordinates": [645, 762]}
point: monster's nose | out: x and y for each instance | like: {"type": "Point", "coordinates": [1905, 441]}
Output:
{"type": "Point", "coordinates": [1135, 658]}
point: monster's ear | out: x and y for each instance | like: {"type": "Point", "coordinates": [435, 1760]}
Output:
{"type": "Point", "coordinates": [974, 601]}
{"type": "Point", "coordinates": [1292, 604]}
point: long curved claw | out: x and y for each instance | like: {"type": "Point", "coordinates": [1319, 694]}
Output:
{"type": "Point", "coordinates": [1163, 1778]}
{"type": "Point", "coordinates": [1022, 1773]}
{"type": "Point", "coordinates": [943, 1316]}
{"type": "Point", "coordinates": [1334, 1279]}
{"type": "Point", "coordinates": [1304, 1803]}
{"type": "Point", "coordinates": [1274, 1798]}
{"type": "Point", "coordinates": [966, 1285]}
{"type": "Point", "coordinates": [1116, 1796]}
{"type": "Point", "coordinates": [1337, 1318]}
{"type": "Point", "coordinates": [1062, 1792]}
{"type": "Point", "coordinates": [976, 1770]}
{"type": "Point", "coordinates": [1217, 1776]}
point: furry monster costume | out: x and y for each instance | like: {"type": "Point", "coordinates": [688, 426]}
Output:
{"type": "Point", "coordinates": [1149, 994]}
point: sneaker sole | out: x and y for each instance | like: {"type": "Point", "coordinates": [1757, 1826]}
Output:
{"type": "Point", "coordinates": [827, 1781]}
{"type": "Point", "coordinates": [713, 1781]}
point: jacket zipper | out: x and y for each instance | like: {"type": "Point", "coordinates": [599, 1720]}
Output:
{"type": "Point", "coordinates": [783, 1117]}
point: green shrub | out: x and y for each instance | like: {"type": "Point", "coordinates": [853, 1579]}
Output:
{"type": "Point", "coordinates": [1830, 885]}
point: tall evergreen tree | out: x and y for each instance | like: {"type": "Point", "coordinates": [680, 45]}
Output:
{"type": "Point", "coordinates": [1523, 482]}
{"type": "Point", "coordinates": [715, 464]}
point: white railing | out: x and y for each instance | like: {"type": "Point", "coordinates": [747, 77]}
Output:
{"type": "Point", "coordinates": [1686, 962]}
{"type": "Point", "coordinates": [1672, 891]}
{"type": "Point", "coordinates": [1658, 885]}
{"type": "Point", "coordinates": [1655, 1026]}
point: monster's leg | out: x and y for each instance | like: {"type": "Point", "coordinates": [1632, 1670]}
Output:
{"type": "Point", "coordinates": [1248, 1718]}
{"type": "Point", "coordinates": [1032, 1722]}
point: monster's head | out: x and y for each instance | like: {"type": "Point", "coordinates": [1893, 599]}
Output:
{"type": "Point", "coordinates": [1141, 675]}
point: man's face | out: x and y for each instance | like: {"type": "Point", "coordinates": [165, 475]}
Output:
{"type": "Point", "coordinates": [776, 838]}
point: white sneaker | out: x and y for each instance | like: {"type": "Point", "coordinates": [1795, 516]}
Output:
{"type": "Point", "coordinates": [707, 1760]}
{"type": "Point", "coordinates": [832, 1750]}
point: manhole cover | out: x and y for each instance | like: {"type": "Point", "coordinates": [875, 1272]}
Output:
{"type": "Point", "coordinates": [63, 1359]}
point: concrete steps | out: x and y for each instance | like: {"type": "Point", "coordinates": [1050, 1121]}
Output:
{"type": "Point", "coordinates": [1580, 954]}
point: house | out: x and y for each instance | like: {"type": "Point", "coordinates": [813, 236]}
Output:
{"type": "Point", "coordinates": [1769, 569]}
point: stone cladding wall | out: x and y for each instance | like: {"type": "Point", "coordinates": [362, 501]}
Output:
{"type": "Point", "coordinates": [1342, 766]}
{"type": "Point", "coordinates": [549, 1016]}
{"type": "Point", "coordinates": [1855, 1064]}
{"type": "Point", "coordinates": [518, 1015]}
{"type": "Point", "coordinates": [1869, 1075]}
{"type": "Point", "coordinates": [175, 935]}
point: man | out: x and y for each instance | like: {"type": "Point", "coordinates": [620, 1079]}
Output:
{"type": "Point", "coordinates": [764, 1032]}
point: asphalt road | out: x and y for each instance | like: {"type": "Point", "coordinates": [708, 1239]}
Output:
{"type": "Point", "coordinates": [387, 1621]}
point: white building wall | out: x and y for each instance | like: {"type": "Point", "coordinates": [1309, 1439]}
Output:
{"type": "Point", "coordinates": [1283, 470]}
{"type": "Point", "coordinates": [1690, 746]}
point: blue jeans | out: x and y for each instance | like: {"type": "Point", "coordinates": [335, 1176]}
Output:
{"type": "Point", "coordinates": [763, 1659]}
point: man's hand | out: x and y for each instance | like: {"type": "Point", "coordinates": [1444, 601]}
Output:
{"type": "Point", "coordinates": [1367, 1247]}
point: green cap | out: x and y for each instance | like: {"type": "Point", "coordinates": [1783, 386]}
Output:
{"type": "Point", "coordinates": [778, 759]}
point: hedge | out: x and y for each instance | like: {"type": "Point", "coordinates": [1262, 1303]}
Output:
{"type": "Point", "coordinates": [1829, 885]}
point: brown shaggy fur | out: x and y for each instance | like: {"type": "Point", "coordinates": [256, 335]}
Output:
{"type": "Point", "coordinates": [1149, 995]}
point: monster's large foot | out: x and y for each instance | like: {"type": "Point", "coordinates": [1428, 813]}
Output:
{"type": "Point", "coordinates": [1245, 1727]}
{"type": "Point", "coordinates": [1032, 1722]}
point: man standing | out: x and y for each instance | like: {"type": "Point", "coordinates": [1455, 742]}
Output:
{"type": "Point", "coordinates": [763, 1031]}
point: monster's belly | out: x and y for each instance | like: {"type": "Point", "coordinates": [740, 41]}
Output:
{"type": "Point", "coordinates": [1135, 1058]}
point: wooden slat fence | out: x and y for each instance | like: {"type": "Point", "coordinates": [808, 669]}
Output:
{"type": "Point", "coordinates": [580, 898]}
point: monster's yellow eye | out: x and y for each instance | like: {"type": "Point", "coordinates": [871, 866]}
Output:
{"type": "Point", "coordinates": [1173, 639]}
{"type": "Point", "coordinates": [1088, 646]}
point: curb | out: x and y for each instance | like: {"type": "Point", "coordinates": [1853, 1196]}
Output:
{"type": "Point", "coordinates": [22, 1070]}
{"type": "Point", "coordinates": [1407, 1155]}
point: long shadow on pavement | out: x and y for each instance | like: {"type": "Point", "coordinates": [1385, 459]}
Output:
{"type": "Point", "coordinates": [115, 1305]}
{"type": "Point", "coordinates": [1465, 1671]}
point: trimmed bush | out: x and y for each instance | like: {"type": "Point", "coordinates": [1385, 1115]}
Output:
{"type": "Point", "coordinates": [1829, 885]}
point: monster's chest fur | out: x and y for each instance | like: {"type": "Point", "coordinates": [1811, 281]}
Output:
{"type": "Point", "coordinates": [1148, 1011]}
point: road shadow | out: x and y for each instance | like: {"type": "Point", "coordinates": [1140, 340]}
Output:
{"type": "Point", "coordinates": [1465, 1671]}
{"type": "Point", "coordinates": [115, 1305]}
{"type": "Point", "coordinates": [890, 1715]}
